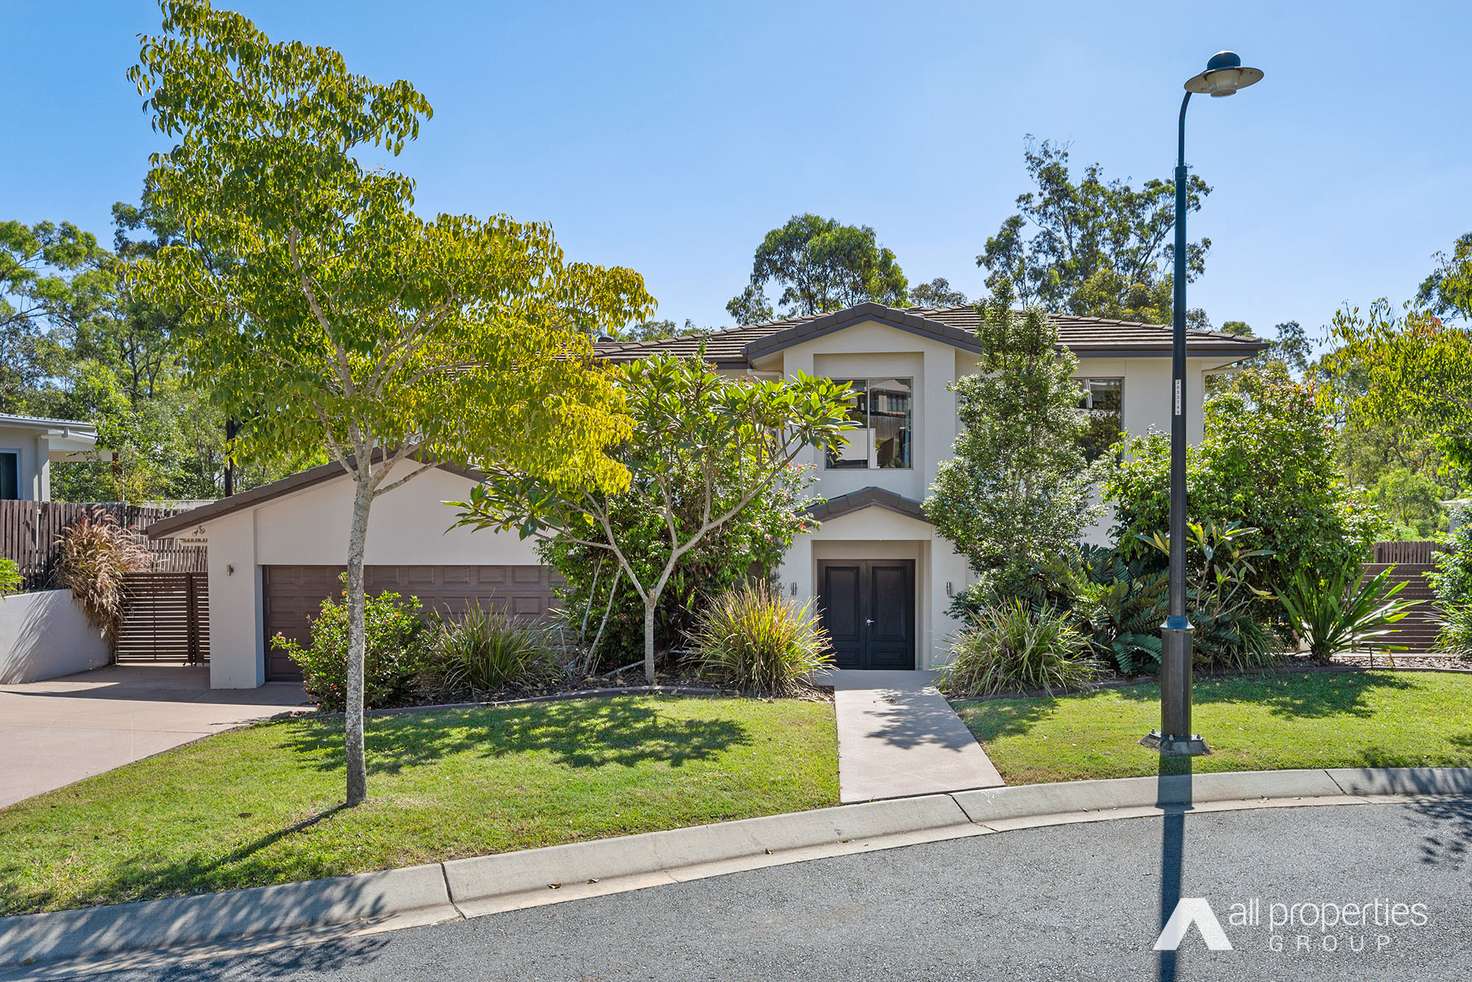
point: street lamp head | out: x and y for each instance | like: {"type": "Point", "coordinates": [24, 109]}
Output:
{"type": "Point", "coordinates": [1224, 75]}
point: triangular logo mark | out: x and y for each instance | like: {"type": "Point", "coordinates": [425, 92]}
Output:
{"type": "Point", "coordinates": [1192, 910]}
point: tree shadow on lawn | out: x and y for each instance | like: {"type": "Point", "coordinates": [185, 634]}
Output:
{"type": "Point", "coordinates": [990, 719]}
{"type": "Point", "coordinates": [582, 733]}
{"type": "Point", "coordinates": [1291, 695]}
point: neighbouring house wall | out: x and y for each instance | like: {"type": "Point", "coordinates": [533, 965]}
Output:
{"type": "Point", "coordinates": [45, 635]}
{"type": "Point", "coordinates": [34, 473]}
{"type": "Point", "coordinates": [409, 526]}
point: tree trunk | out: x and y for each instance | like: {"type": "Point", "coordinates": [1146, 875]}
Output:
{"type": "Point", "coordinates": [357, 645]}
{"type": "Point", "coordinates": [649, 639]}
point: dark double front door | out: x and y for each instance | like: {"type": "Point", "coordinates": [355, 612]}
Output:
{"type": "Point", "coordinates": [869, 610]}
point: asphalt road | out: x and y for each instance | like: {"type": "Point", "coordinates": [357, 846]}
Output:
{"type": "Point", "coordinates": [1070, 902]}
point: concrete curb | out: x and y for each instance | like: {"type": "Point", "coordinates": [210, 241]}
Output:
{"type": "Point", "coordinates": [417, 893]}
{"type": "Point", "coordinates": [489, 884]}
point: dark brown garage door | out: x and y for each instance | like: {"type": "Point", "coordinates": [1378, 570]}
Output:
{"type": "Point", "coordinates": [293, 593]}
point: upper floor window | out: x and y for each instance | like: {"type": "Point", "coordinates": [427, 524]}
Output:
{"type": "Point", "coordinates": [1103, 400]}
{"type": "Point", "coordinates": [883, 414]}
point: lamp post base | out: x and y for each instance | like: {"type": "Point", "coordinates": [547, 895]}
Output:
{"type": "Point", "coordinates": [1192, 746]}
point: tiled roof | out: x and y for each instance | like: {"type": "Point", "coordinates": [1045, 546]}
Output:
{"type": "Point", "coordinates": [1097, 336]}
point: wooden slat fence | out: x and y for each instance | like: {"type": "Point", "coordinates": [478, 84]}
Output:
{"type": "Point", "coordinates": [1411, 561]}
{"type": "Point", "coordinates": [1418, 552]}
{"type": "Point", "coordinates": [29, 532]}
{"type": "Point", "coordinates": [166, 617]}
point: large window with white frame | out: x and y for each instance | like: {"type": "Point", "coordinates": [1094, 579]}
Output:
{"type": "Point", "coordinates": [884, 416]}
{"type": "Point", "coordinates": [1103, 400]}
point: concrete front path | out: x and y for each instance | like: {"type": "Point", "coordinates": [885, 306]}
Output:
{"type": "Point", "coordinates": [897, 736]}
{"type": "Point", "coordinates": [59, 731]}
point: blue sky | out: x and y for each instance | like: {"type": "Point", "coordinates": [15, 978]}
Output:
{"type": "Point", "coordinates": [670, 136]}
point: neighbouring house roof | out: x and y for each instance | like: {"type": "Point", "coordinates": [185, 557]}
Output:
{"type": "Point", "coordinates": [853, 501]}
{"type": "Point", "coordinates": [299, 481]}
{"type": "Point", "coordinates": [739, 347]}
{"type": "Point", "coordinates": [68, 437]}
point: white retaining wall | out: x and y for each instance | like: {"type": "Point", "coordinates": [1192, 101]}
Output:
{"type": "Point", "coordinates": [44, 635]}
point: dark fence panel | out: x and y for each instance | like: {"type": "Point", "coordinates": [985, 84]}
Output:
{"type": "Point", "coordinates": [29, 532]}
{"type": "Point", "coordinates": [166, 617]}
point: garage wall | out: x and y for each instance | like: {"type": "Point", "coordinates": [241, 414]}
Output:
{"type": "Point", "coordinates": [407, 528]}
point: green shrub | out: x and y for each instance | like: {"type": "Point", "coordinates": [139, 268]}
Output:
{"type": "Point", "coordinates": [397, 647]}
{"type": "Point", "coordinates": [1124, 608]}
{"type": "Point", "coordinates": [1452, 581]}
{"type": "Point", "coordinates": [9, 576]}
{"type": "Point", "coordinates": [1129, 599]}
{"type": "Point", "coordinates": [758, 641]}
{"type": "Point", "coordinates": [95, 554]}
{"type": "Point", "coordinates": [1011, 647]}
{"type": "Point", "coordinates": [1227, 608]}
{"type": "Point", "coordinates": [1341, 611]}
{"type": "Point", "coordinates": [485, 650]}
{"type": "Point", "coordinates": [1266, 461]}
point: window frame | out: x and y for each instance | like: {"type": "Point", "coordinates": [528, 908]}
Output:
{"type": "Point", "coordinates": [1086, 403]}
{"type": "Point", "coordinates": [829, 463]}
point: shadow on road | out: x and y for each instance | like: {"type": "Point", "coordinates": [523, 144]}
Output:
{"type": "Point", "coordinates": [1173, 796]}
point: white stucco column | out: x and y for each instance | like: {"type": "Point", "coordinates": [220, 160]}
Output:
{"type": "Point", "coordinates": [797, 567]}
{"type": "Point", "coordinates": [946, 567]}
{"type": "Point", "coordinates": [41, 475]}
{"type": "Point", "coordinates": [237, 627]}
{"type": "Point", "coordinates": [935, 416]}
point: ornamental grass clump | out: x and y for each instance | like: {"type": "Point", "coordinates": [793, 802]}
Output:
{"type": "Point", "coordinates": [756, 640]}
{"type": "Point", "coordinates": [485, 650]}
{"type": "Point", "coordinates": [96, 552]}
{"type": "Point", "coordinates": [1012, 647]}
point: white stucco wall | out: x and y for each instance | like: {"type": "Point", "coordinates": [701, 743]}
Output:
{"type": "Point", "coordinates": [45, 635]}
{"type": "Point", "coordinates": [407, 526]}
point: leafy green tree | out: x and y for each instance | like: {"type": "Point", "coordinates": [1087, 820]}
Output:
{"type": "Point", "coordinates": [1015, 498]}
{"type": "Point", "coordinates": [937, 294]}
{"type": "Point", "coordinates": [1410, 503]}
{"type": "Point", "coordinates": [1092, 246]}
{"type": "Point", "coordinates": [53, 278]}
{"type": "Point", "coordinates": [1393, 368]}
{"type": "Point", "coordinates": [1240, 329]}
{"type": "Point", "coordinates": [751, 306]}
{"type": "Point", "coordinates": [312, 295]}
{"type": "Point", "coordinates": [1447, 291]}
{"type": "Point", "coordinates": [821, 265]}
{"type": "Point", "coordinates": [706, 451]}
{"type": "Point", "coordinates": [1265, 462]}
{"type": "Point", "coordinates": [604, 611]}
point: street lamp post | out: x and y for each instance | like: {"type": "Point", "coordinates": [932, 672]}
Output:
{"type": "Point", "coordinates": [1224, 76]}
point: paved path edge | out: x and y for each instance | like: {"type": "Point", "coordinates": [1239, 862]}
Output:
{"type": "Point", "coordinates": [470, 887]}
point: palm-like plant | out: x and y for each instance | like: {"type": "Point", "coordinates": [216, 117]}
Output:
{"type": "Point", "coordinates": [1338, 612]}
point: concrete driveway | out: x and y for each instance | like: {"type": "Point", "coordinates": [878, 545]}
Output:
{"type": "Point", "coordinates": [59, 731]}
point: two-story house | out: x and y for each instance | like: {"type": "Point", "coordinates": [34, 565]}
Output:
{"type": "Point", "coordinates": [882, 576]}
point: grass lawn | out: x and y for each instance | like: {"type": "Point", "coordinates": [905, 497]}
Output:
{"type": "Point", "coordinates": [262, 805]}
{"type": "Point", "coordinates": [1269, 722]}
